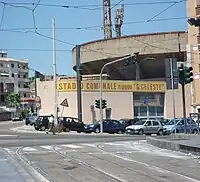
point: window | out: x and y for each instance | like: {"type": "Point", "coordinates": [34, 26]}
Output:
{"type": "Point", "coordinates": [19, 65]}
{"type": "Point", "coordinates": [19, 85]}
{"type": "Point", "coordinates": [160, 111]}
{"type": "Point", "coordinates": [12, 65]}
{"type": "Point", "coordinates": [136, 111]}
{"type": "Point", "coordinates": [1, 64]}
{"type": "Point", "coordinates": [24, 76]}
{"type": "Point", "coordinates": [25, 95]}
{"type": "Point", "coordinates": [155, 123]}
{"type": "Point", "coordinates": [148, 123]}
{"type": "Point", "coordinates": [18, 75]}
{"type": "Point", "coordinates": [152, 111]}
{"type": "Point", "coordinates": [143, 111]}
{"type": "Point", "coordinates": [13, 75]}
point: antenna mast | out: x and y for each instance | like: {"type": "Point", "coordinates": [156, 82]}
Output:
{"type": "Point", "coordinates": [119, 17]}
{"type": "Point", "coordinates": [107, 25]}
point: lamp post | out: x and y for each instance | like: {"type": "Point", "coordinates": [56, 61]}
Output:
{"type": "Point", "coordinates": [100, 89]}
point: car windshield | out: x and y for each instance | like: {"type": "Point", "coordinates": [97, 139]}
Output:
{"type": "Point", "coordinates": [172, 122]}
{"type": "Point", "coordinates": [123, 121]}
{"type": "Point", "coordinates": [141, 122]}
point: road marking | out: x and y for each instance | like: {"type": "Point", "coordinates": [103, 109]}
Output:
{"type": "Point", "coordinates": [88, 144]}
{"type": "Point", "coordinates": [48, 147]}
{"type": "Point", "coordinates": [7, 135]}
{"type": "Point", "coordinates": [29, 149]}
{"type": "Point", "coordinates": [3, 160]}
{"type": "Point", "coordinates": [114, 144]}
{"type": "Point", "coordinates": [72, 146]}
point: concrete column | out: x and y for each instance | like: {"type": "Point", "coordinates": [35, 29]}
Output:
{"type": "Point", "coordinates": [137, 71]}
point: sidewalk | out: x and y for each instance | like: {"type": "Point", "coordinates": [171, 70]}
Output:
{"type": "Point", "coordinates": [180, 142]}
{"type": "Point", "coordinates": [8, 172]}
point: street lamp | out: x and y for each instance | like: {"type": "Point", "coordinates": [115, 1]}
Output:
{"type": "Point", "coordinates": [100, 89]}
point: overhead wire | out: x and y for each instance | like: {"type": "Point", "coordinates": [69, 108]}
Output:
{"type": "Point", "coordinates": [164, 10]}
{"type": "Point", "coordinates": [2, 15]}
{"type": "Point", "coordinates": [103, 52]}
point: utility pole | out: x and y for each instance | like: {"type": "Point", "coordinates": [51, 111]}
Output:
{"type": "Point", "coordinates": [172, 83]}
{"type": "Point", "coordinates": [54, 73]}
{"type": "Point", "coordinates": [107, 25]}
{"type": "Point", "coordinates": [100, 89]}
{"type": "Point", "coordinates": [78, 81]}
{"type": "Point", "coordinates": [119, 17]}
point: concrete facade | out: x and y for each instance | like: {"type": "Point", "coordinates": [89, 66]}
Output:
{"type": "Point", "coordinates": [166, 42]}
{"type": "Point", "coordinates": [13, 77]}
{"type": "Point", "coordinates": [193, 7]}
{"type": "Point", "coordinates": [121, 103]}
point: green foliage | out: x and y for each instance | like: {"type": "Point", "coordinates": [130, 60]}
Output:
{"type": "Point", "coordinates": [24, 113]}
{"type": "Point", "coordinates": [13, 100]}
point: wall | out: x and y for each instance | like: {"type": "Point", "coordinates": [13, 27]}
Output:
{"type": "Point", "coordinates": [120, 102]}
{"type": "Point", "coordinates": [125, 45]}
{"type": "Point", "coordinates": [178, 102]}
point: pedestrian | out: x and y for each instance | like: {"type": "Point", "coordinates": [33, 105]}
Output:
{"type": "Point", "coordinates": [51, 125]}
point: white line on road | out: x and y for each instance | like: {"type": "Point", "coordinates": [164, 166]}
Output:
{"type": "Point", "coordinates": [29, 149]}
{"type": "Point", "coordinates": [72, 146]}
{"type": "Point", "coordinates": [48, 147]}
{"type": "Point", "coordinates": [8, 135]}
{"type": "Point", "coordinates": [88, 144]}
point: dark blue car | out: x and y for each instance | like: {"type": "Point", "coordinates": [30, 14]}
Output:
{"type": "Point", "coordinates": [109, 126]}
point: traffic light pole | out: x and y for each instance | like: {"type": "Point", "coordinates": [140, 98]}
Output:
{"type": "Point", "coordinates": [100, 87]}
{"type": "Point", "coordinates": [184, 109]}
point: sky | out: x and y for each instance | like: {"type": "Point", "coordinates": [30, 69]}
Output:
{"type": "Point", "coordinates": [77, 24]}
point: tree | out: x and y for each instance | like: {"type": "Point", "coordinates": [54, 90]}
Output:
{"type": "Point", "coordinates": [13, 100]}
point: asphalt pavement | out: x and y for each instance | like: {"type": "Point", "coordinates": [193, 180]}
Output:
{"type": "Point", "coordinates": [37, 157]}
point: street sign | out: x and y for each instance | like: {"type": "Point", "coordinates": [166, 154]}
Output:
{"type": "Point", "coordinates": [37, 99]}
{"type": "Point", "coordinates": [65, 103]}
{"type": "Point", "coordinates": [171, 73]}
{"type": "Point", "coordinates": [146, 101]}
{"type": "Point", "coordinates": [37, 105]}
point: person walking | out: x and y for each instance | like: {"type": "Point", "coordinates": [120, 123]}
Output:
{"type": "Point", "coordinates": [51, 125]}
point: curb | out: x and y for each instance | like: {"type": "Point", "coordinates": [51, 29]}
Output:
{"type": "Point", "coordinates": [174, 146]}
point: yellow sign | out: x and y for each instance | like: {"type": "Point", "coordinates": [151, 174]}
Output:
{"type": "Point", "coordinates": [112, 86]}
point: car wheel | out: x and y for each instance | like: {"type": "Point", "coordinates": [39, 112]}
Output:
{"type": "Point", "coordinates": [195, 131]}
{"type": "Point", "coordinates": [97, 130]}
{"type": "Point", "coordinates": [78, 131]}
{"type": "Point", "coordinates": [160, 132]}
{"type": "Point", "coordinates": [119, 132]}
{"type": "Point", "coordinates": [42, 128]}
{"type": "Point", "coordinates": [36, 128]}
{"type": "Point", "coordinates": [140, 132]}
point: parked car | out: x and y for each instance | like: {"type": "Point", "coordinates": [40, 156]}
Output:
{"type": "Point", "coordinates": [109, 126]}
{"type": "Point", "coordinates": [128, 122]}
{"type": "Point", "coordinates": [147, 127]}
{"type": "Point", "coordinates": [17, 119]}
{"type": "Point", "coordinates": [30, 119]}
{"type": "Point", "coordinates": [177, 125]}
{"type": "Point", "coordinates": [72, 124]}
{"type": "Point", "coordinates": [42, 123]}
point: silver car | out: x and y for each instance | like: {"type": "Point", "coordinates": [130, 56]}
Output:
{"type": "Point", "coordinates": [147, 127]}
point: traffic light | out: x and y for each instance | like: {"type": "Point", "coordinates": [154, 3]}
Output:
{"type": "Point", "coordinates": [188, 75]}
{"type": "Point", "coordinates": [181, 72]}
{"type": "Point", "coordinates": [185, 74]}
{"type": "Point", "coordinates": [104, 104]}
{"type": "Point", "coordinates": [194, 22]}
{"type": "Point", "coordinates": [97, 104]}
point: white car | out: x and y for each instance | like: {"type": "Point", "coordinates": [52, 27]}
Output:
{"type": "Point", "coordinates": [147, 127]}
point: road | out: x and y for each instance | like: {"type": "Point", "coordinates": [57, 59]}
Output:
{"type": "Point", "coordinates": [95, 158]}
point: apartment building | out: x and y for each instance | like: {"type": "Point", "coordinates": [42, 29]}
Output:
{"type": "Point", "coordinates": [13, 77]}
